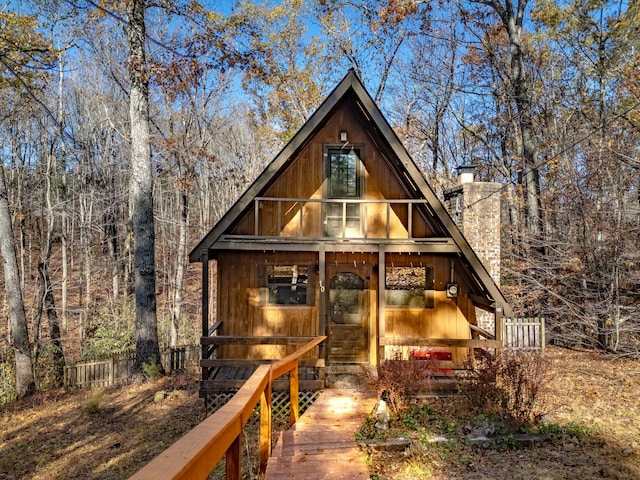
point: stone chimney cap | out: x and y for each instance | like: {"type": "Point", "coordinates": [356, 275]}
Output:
{"type": "Point", "coordinates": [469, 168]}
{"type": "Point", "coordinates": [465, 173]}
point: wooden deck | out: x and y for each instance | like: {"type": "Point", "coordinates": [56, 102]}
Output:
{"type": "Point", "coordinates": [322, 445]}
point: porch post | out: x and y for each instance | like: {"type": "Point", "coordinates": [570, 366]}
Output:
{"type": "Point", "coordinates": [322, 304]}
{"type": "Point", "coordinates": [499, 321]}
{"type": "Point", "coordinates": [204, 258]}
{"type": "Point", "coordinates": [382, 305]}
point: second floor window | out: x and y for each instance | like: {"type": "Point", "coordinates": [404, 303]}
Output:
{"type": "Point", "coordinates": [344, 180]}
{"type": "Point", "coordinates": [344, 183]}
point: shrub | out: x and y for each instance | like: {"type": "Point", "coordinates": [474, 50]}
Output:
{"type": "Point", "coordinates": [152, 370]}
{"type": "Point", "coordinates": [8, 381]}
{"type": "Point", "coordinates": [110, 330]}
{"type": "Point", "coordinates": [49, 367]}
{"type": "Point", "coordinates": [93, 404]}
{"type": "Point", "coordinates": [509, 383]}
{"type": "Point", "coordinates": [398, 380]}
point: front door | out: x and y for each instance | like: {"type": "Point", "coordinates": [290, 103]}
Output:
{"type": "Point", "coordinates": [348, 313]}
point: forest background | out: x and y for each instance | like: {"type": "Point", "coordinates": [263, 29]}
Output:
{"type": "Point", "coordinates": [544, 97]}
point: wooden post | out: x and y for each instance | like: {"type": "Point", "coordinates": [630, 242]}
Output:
{"type": "Point", "coordinates": [499, 325]}
{"type": "Point", "coordinates": [205, 309]}
{"type": "Point", "coordinates": [233, 467]}
{"type": "Point", "coordinates": [294, 412]}
{"type": "Point", "coordinates": [266, 409]}
{"type": "Point", "coordinates": [322, 308]}
{"type": "Point", "coordinates": [382, 304]}
{"type": "Point", "coordinates": [111, 378]}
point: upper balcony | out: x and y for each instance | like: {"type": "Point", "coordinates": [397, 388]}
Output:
{"type": "Point", "coordinates": [304, 220]}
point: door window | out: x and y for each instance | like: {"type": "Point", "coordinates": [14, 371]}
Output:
{"type": "Point", "coordinates": [346, 298]}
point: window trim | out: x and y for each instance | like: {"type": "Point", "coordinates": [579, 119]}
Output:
{"type": "Point", "coordinates": [428, 291]}
{"type": "Point", "coordinates": [360, 187]}
{"type": "Point", "coordinates": [265, 285]}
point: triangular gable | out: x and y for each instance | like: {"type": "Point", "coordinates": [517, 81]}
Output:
{"type": "Point", "coordinates": [351, 82]}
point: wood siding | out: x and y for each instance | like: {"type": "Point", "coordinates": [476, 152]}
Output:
{"type": "Point", "coordinates": [449, 317]}
{"type": "Point", "coordinates": [243, 313]}
{"type": "Point", "coordinates": [304, 178]}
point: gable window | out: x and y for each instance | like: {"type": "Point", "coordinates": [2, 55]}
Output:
{"type": "Point", "coordinates": [409, 287]}
{"type": "Point", "coordinates": [342, 219]}
{"type": "Point", "coordinates": [288, 285]}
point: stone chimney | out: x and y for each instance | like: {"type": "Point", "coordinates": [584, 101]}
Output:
{"type": "Point", "coordinates": [475, 208]}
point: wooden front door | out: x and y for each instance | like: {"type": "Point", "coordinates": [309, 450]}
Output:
{"type": "Point", "coordinates": [348, 313]}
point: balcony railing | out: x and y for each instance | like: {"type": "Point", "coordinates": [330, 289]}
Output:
{"type": "Point", "coordinates": [339, 218]}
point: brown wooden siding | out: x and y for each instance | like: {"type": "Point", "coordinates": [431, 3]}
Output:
{"type": "Point", "coordinates": [304, 176]}
{"type": "Point", "coordinates": [447, 319]}
{"type": "Point", "coordinates": [242, 312]}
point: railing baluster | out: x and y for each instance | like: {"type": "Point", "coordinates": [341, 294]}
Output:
{"type": "Point", "coordinates": [279, 221]}
{"type": "Point", "coordinates": [293, 393]}
{"type": "Point", "coordinates": [233, 466]}
{"type": "Point", "coordinates": [256, 216]}
{"type": "Point", "coordinates": [344, 218]}
{"type": "Point", "coordinates": [266, 409]}
{"type": "Point", "coordinates": [388, 219]}
{"type": "Point", "coordinates": [301, 234]}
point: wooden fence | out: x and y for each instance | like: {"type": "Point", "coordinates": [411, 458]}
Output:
{"type": "Point", "coordinates": [109, 371]}
{"type": "Point", "coordinates": [524, 333]}
{"type": "Point", "coordinates": [196, 454]}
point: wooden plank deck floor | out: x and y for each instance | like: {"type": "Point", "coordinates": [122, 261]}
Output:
{"type": "Point", "coordinates": [322, 444]}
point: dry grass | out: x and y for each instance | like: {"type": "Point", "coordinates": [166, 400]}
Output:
{"type": "Point", "coordinates": [53, 435]}
{"type": "Point", "coordinates": [93, 435]}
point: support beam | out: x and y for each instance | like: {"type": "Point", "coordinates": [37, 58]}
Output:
{"type": "Point", "coordinates": [382, 307]}
{"type": "Point", "coordinates": [440, 342]}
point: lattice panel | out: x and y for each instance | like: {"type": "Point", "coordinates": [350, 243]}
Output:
{"type": "Point", "coordinates": [280, 407]}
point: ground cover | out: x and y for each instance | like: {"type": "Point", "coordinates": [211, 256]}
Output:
{"type": "Point", "coordinates": [592, 418]}
{"type": "Point", "coordinates": [592, 414]}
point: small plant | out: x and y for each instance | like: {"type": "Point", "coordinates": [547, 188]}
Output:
{"type": "Point", "coordinates": [93, 404]}
{"type": "Point", "coordinates": [152, 370]}
{"type": "Point", "coordinates": [573, 430]}
{"type": "Point", "coordinates": [417, 416]}
{"type": "Point", "coordinates": [7, 381]}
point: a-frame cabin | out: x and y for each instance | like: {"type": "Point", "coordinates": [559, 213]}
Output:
{"type": "Point", "coordinates": [342, 236]}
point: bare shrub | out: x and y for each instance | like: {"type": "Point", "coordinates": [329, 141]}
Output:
{"type": "Point", "coordinates": [509, 383]}
{"type": "Point", "coordinates": [397, 380]}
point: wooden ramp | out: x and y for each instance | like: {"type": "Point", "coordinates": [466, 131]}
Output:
{"type": "Point", "coordinates": [322, 445]}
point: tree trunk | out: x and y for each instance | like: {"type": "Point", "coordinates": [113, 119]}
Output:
{"type": "Point", "coordinates": [141, 190]}
{"type": "Point", "coordinates": [511, 17]}
{"type": "Point", "coordinates": [181, 254]}
{"type": "Point", "coordinates": [25, 383]}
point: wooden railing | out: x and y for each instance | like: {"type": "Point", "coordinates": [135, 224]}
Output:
{"type": "Point", "coordinates": [347, 224]}
{"type": "Point", "coordinates": [196, 454]}
{"type": "Point", "coordinates": [524, 333]}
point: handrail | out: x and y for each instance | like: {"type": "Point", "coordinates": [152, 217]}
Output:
{"type": "Point", "coordinates": [197, 453]}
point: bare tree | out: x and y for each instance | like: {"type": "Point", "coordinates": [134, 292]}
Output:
{"type": "Point", "coordinates": [141, 188]}
{"type": "Point", "coordinates": [25, 383]}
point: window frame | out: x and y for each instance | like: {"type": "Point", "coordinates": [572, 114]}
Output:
{"type": "Point", "coordinates": [354, 211]}
{"type": "Point", "coordinates": [427, 288]}
{"type": "Point", "coordinates": [268, 283]}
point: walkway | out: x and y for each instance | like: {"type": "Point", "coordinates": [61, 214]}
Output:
{"type": "Point", "coordinates": [322, 445]}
